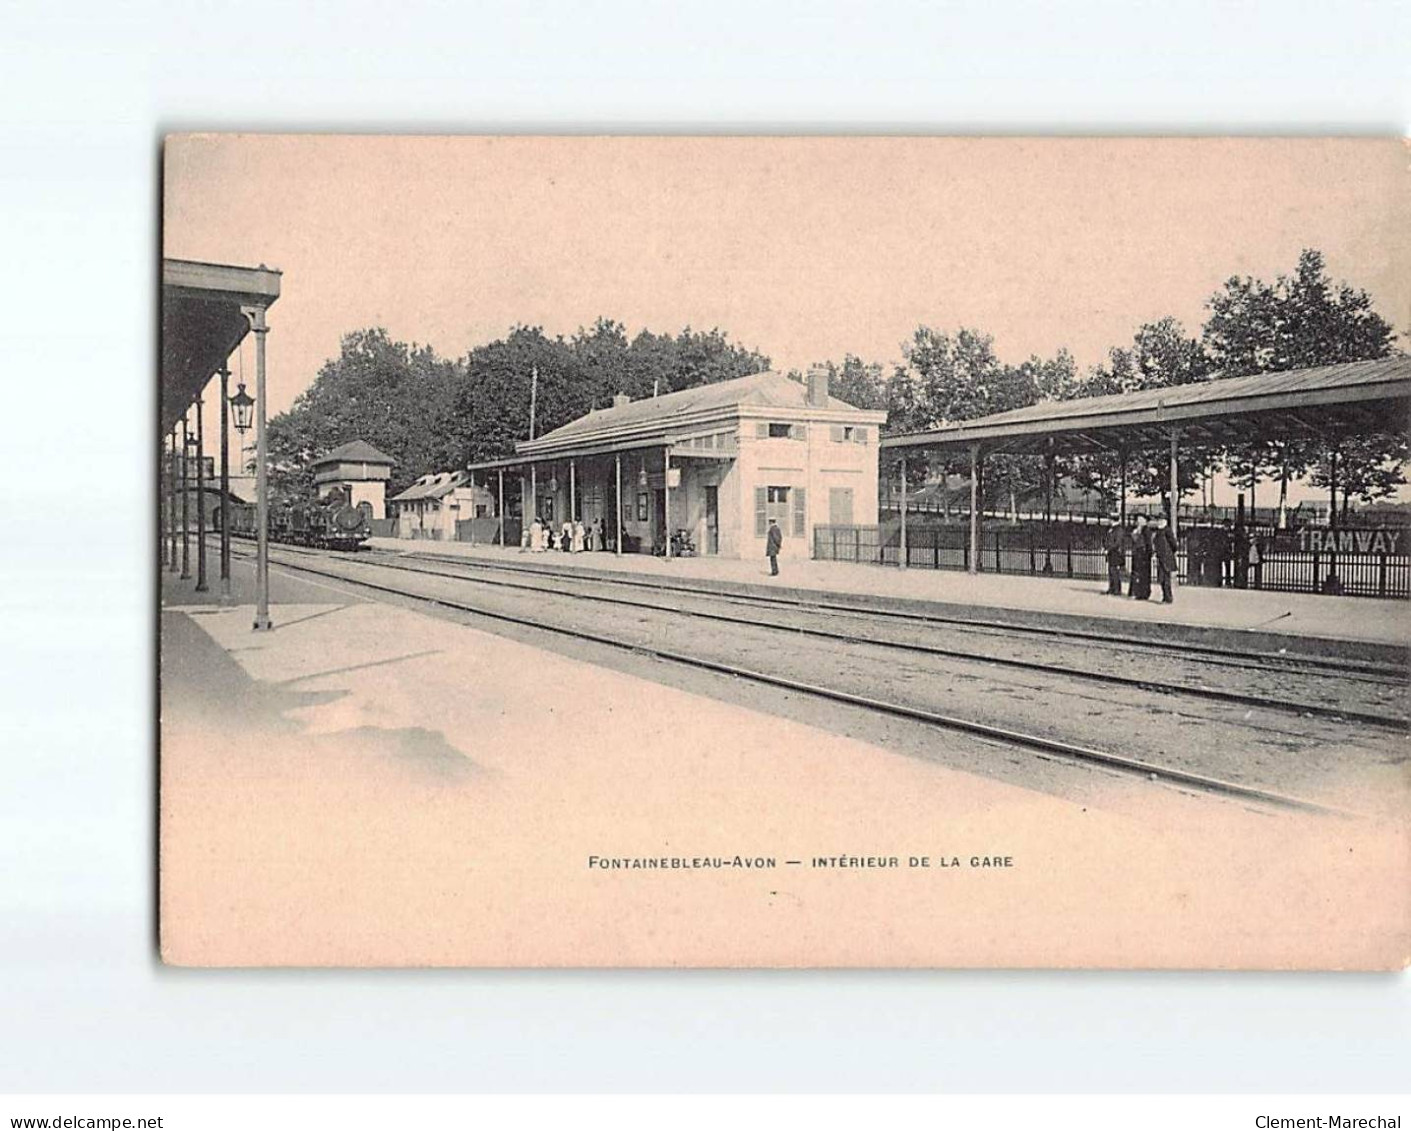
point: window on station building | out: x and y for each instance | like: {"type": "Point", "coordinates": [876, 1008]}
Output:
{"type": "Point", "coordinates": [786, 505]}
{"type": "Point", "coordinates": [778, 431]}
{"type": "Point", "coordinates": [847, 434]}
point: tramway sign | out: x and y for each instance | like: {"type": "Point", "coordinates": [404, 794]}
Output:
{"type": "Point", "coordinates": [1370, 541]}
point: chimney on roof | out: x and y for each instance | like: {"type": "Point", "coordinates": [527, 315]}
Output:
{"type": "Point", "coordinates": [818, 386]}
{"type": "Point", "coordinates": [621, 400]}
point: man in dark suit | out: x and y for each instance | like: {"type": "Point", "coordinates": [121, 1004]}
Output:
{"type": "Point", "coordinates": [1115, 542]}
{"type": "Point", "coordinates": [1139, 588]}
{"type": "Point", "coordinates": [773, 543]}
{"type": "Point", "coordinates": [1163, 548]}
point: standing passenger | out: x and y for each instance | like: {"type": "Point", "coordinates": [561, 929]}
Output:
{"type": "Point", "coordinates": [1225, 550]}
{"type": "Point", "coordinates": [1163, 544]}
{"type": "Point", "coordinates": [578, 543]}
{"type": "Point", "coordinates": [1115, 543]}
{"type": "Point", "coordinates": [1139, 588]}
{"type": "Point", "coordinates": [773, 543]}
{"type": "Point", "coordinates": [536, 536]}
{"type": "Point", "coordinates": [602, 535]}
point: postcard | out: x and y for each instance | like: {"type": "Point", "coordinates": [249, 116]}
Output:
{"type": "Point", "coordinates": [784, 552]}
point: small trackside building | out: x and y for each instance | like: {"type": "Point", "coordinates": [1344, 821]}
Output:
{"type": "Point", "coordinates": [702, 470]}
{"type": "Point", "coordinates": [361, 468]}
{"type": "Point", "coordinates": [434, 505]}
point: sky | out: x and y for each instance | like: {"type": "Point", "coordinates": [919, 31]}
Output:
{"type": "Point", "coordinates": [804, 248]}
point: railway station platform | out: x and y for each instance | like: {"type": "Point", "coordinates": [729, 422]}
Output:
{"type": "Point", "coordinates": [367, 784]}
{"type": "Point", "coordinates": [1377, 629]}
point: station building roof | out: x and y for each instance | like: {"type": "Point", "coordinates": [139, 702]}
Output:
{"type": "Point", "coordinates": [434, 486]}
{"type": "Point", "coordinates": [655, 421]}
{"type": "Point", "coordinates": [354, 451]}
{"type": "Point", "coordinates": [1351, 398]}
{"type": "Point", "coordinates": [204, 319]}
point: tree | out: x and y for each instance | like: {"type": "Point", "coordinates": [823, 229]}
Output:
{"type": "Point", "coordinates": [395, 395]}
{"type": "Point", "coordinates": [1161, 355]}
{"type": "Point", "coordinates": [1299, 321]}
{"type": "Point", "coordinates": [857, 383]}
{"type": "Point", "coordinates": [946, 379]}
{"type": "Point", "coordinates": [1369, 468]}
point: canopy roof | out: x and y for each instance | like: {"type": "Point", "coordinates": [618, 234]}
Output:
{"type": "Point", "coordinates": [203, 322]}
{"type": "Point", "coordinates": [1352, 398]}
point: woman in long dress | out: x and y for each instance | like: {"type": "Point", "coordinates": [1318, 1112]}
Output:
{"type": "Point", "coordinates": [577, 537]}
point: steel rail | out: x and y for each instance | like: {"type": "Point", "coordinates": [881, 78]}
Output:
{"type": "Point", "coordinates": [1151, 771]}
{"type": "Point", "coordinates": [1213, 694]}
{"type": "Point", "coordinates": [1231, 656]}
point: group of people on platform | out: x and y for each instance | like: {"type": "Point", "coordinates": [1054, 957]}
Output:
{"type": "Point", "coordinates": [1145, 543]}
{"type": "Point", "coordinates": [573, 537]}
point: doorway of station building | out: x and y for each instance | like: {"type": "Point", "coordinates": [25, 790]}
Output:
{"type": "Point", "coordinates": [659, 531]}
{"type": "Point", "coordinates": [840, 506]}
{"type": "Point", "coordinates": [712, 520]}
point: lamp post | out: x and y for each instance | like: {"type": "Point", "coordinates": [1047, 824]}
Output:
{"type": "Point", "coordinates": [201, 586]}
{"type": "Point", "coordinates": [256, 316]}
{"type": "Point", "coordinates": [185, 499]}
{"type": "Point", "coordinates": [241, 405]}
{"type": "Point", "coordinates": [224, 484]}
{"type": "Point", "coordinates": [171, 502]}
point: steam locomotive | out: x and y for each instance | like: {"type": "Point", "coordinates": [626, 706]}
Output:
{"type": "Point", "coordinates": [329, 523]}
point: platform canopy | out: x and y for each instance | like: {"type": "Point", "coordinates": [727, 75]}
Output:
{"type": "Point", "coordinates": [205, 314]}
{"type": "Point", "coordinates": [1326, 402]}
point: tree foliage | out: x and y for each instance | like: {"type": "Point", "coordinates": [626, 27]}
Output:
{"type": "Point", "coordinates": [1298, 321]}
{"type": "Point", "coordinates": [396, 396]}
{"type": "Point", "coordinates": [430, 413]}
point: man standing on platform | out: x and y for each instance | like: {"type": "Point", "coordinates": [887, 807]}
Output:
{"type": "Point", "coordinates": [1139, 587]}
{"type": "Point", "coordinates": [773, 543]}
{"type": "Point", "coordinates": [1115, 543]}
{"type": "Point", "coordinates": [1163, 548]}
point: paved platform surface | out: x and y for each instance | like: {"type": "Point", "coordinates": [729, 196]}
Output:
{"type": "Point", "coordinates": [1352, 619]}
{"type": "Point", "coordinates": [367, 785]}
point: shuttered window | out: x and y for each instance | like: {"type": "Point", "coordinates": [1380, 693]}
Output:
{"type": "Point", "coordinates": [761, 517]}
{"type": "Point", "coordinates": [835, 433]}
{"type": "Point", "coordinates": [800, 511]}
{"type": "Point", "coordinates": [799, 432]}
{"type": "Point", "coordinates": [859, 435]}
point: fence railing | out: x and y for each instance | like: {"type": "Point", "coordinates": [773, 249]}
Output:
{"type": "Point", "coordinates": [1076, 550]}
{"type": "Point", "coordinates": [486, 531]}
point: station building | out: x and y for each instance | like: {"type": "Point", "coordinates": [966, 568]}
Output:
{"type": "Point", "coordinates": [701, 470]}
{"type": "Point", "coordinates": [435, 504]}
{"type": "Point", "coordinates": [361, 468]}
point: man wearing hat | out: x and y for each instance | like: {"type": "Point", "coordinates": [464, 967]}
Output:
{"type": "Point", "coordinates": [1163, 548]}
{"type": "Point", "coordinates": [1139, 587]}
{"type": "Point", "coordinates": [1115, 542]}
{"type": "Point", "coordinates": [773, 543]}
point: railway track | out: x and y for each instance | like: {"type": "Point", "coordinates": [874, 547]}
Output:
{"type": "Point", "coordinates": [1299, 707]}
{"type": "Point", "coordinates": [1033, 743]}
{"type": "Point", "coordinates": [1297, 663]}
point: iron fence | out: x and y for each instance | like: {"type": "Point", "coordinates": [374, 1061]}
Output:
{"type": "Point", "coordinates": [1076, 550]}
